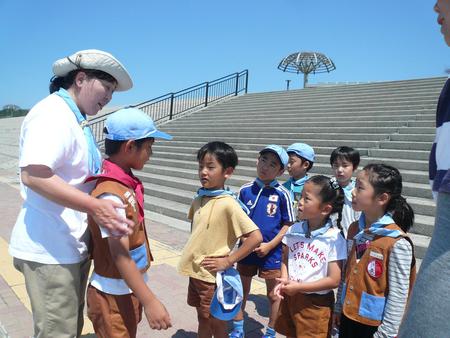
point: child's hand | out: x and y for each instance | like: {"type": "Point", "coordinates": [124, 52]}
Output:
{"type": "Point", "coordinates": [214, 264]}
{"type": "Point", "coordinates": [157, 315]}
{"type": "Point", "coordinates": [336, 321]}
{"type": "Point", "coordinates": [263, 249]}
{"type": "Point", "coordinates": [288, 287]}
{"type": "Point", "coordinates": [277, 290]}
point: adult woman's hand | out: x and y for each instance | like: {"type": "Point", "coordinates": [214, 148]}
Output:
{"type": "Point", "coordinates": [43, 181]}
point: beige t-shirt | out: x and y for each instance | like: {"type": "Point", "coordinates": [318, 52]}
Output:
{"type": "Point", "coordinates": [217, 223]}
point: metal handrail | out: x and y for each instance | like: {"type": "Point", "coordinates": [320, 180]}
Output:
{"type": "Point", "coordinates": [167, 107]}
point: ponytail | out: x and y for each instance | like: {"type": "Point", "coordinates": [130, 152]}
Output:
{"type": "Point", "coordinates": [387, 179]}
{"type": "Point", "coordinates": [402, 212]}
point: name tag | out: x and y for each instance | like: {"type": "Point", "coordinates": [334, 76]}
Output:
{"type": "Point", "coordinates": [376, 255]}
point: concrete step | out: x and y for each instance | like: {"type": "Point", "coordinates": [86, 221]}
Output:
{"type": "Point", "coordinates": [289, 125]}
{"type": "Point", "coordinates": [425, 146]}
{"type": "Point", "coordinates": [400, 164]}
{"type": "Point", "coordinates": [258, 143]}
{"type": "Point", "coordinates": [417, 130]}
{"type": "Point", "coordinates": [400, 154]}
{"type": "Point", "coordinates": [295, 118]}
{"type": "Point", "coordinates": [285, 131]}
{"type": "Point", "coordinates": [413, 137]}
{"type": "Point", "coordinates": [421, 243]}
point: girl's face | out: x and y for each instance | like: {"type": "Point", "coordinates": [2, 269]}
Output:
{"type": "Point", "coordinates": [363, 195]}
{"type": "Point", "coordinates": [92, 94]}
{"type": "Point", "coordinates": [442, 7]}
{"type": "Point", "coordinates": [310, 206]}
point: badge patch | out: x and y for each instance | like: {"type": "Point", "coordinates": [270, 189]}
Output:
{"type": "Point", "coordinates": [273, 198]}
{"type": "Point", "coordinates": [377, 255]}
{"type": "Point", "coordinates": [375, 268]}
{"type": "Point", "coordinates": [271, 209]}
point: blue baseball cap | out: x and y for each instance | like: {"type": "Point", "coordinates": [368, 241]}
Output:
{"type": "Point", "coordinates": [302, 150]}
{"type": "Point", "coordinates": [279, 151]}
{"type": "Point", "coordinates": [131, 124]}
{"type": "Point", "coordinates": [228, 296]}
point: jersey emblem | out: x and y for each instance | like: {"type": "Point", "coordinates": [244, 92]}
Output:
{"type": "Point", "coordinates": [271, 209]}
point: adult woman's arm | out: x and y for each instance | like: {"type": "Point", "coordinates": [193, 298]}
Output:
{"type": "Point", "coordinates": [43, 181]}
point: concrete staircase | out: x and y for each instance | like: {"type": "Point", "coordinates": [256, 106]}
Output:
{"type": "Point", "coordinates": [391, 122]}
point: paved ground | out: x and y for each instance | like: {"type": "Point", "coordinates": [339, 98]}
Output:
{"type": "Point", "coordinates": [166, 243]}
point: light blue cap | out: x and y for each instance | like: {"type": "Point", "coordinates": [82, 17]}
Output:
{"type": "Point", "coordinates": [131, 124]}
{"type": "Point", "coordinates": [228, 296]}
{"type": "Point", "coordinates": [302, 150]}
{"type": "Point", "coordinates": [279, 151]}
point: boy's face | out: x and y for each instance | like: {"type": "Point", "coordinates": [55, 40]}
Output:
{"type": "Point", "coordinates": [297, 168]}
{"type": "Point", "coordinates": [140, 156]}
{"type": "Point", "coordinates": [211, 173]}
{"type": "Point", "coordinates": [442, 7]}
{"type": "Point", "coordinates": [268, 167]}
{"type": "Point", "coordinates": [343, 171]}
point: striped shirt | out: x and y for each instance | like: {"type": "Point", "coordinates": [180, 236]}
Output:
{"type": "Point", "coordinates": [439, 163]}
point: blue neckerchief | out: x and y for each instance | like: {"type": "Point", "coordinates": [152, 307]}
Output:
{"type": "Point", "coordinates": [218, 192]}
{"type": "Point", "coordinates": [295, 186]}
{"type": "Point", "coordinates": [304, 231]}
{"type": "Point", "coordinates": [348, 190]}
{"type": "Point", "coordinates": [261, 186]}
{"type": "Point", "coordinates": [95, 159]}
{"type": "Point", "coordinates": [377, 228]}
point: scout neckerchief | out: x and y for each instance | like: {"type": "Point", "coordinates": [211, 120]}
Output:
{"type": "Point", "coordinates": [377, 228]}
{"type": "Point", "coordinates": [219, 192]}
{"type": "Point", "coordinates": [112, 171]}
{"type": "Point", "coordinates": [304, 231]}
{"type": "Point", "coordinates": [95, 160]}
{"type": "Point", "coordinates": [295, 186]}
{"type": "Point", "coordinates": [348, 190]}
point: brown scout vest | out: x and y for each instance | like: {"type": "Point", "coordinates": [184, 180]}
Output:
{"type": "Point", "coordinates": [358, 279]}
{"type": "Point", "coordinates": [103, 262]}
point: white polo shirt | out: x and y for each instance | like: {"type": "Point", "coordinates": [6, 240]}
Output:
{"type": "Point", "coordinates": [46, 232]}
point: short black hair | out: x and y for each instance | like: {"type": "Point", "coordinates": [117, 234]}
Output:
{"type": "Point", "coordinates": [58, 82]}
{"type": "Point", "coordinates": [112, 147]}
{"type": "Point", "coordinates": [310, 164]}
{"type": "Point", "coordinates": [223, 152]}
{"type": "Point", "coordinates": [346, 153]}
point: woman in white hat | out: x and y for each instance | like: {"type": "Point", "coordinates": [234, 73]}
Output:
{"type": "Point", "coordinates": [49, 241]}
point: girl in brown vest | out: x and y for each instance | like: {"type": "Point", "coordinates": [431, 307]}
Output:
{"type": "Point", "coordinates": [381, 266]}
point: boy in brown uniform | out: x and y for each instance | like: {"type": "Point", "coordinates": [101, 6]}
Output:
{"type": "Point", "coordinates": [117, 291]}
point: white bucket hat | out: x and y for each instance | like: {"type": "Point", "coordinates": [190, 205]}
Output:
{"type": "Point", "coordinates": [98, 60]}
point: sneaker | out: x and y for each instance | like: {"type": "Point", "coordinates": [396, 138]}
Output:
{"type": "Point", "coordinates": [236, 334]}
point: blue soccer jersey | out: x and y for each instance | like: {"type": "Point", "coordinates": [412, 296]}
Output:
{"type": "Point", "coordinates": [270, 208]}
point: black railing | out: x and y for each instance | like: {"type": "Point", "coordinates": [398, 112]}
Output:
{"type": "Point", "coordinates": [167, 107]}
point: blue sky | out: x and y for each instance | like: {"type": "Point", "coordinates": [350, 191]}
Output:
{"type": "Point", "coordinates": [168, 45]}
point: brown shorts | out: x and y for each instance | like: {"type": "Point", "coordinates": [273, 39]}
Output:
{"type": "Point", "coordinates": [113, 316]}
{"type": "Point", "coordinates": [253, 270]}
{"type": "Point", "coordinates": [200, 295]}
{"type": "Point", "coordinates": [305, 315]}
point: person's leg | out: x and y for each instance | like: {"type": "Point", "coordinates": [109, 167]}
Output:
{"type": "Point", "coordinates": [246, 286]}
{"type": "Point", "coordinates": [82, 285]}
{"type": "Point", "coordinates": [54, 292]}
{"type": "Point", "coordinates": [427, 313]}
{"type": "Point", "coordinates": [274, 301]}
{"type": "Point", "coordinates": [218, 328]}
